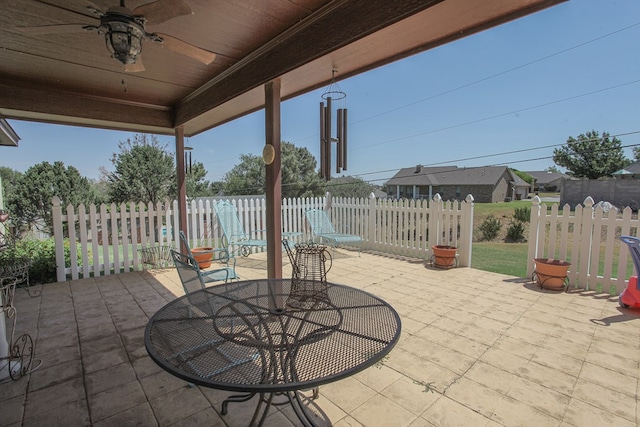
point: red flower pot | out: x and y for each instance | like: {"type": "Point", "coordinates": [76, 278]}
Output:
{"type": "Point", "coordinates": [203, 256]}
{"type": "Point", "coordinates": [551, 273]}
{"type": "Point", "coordinates": [444, 256]}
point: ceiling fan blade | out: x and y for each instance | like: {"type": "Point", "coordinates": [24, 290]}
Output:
{"type": "Point", "coordinates": [183, 48]}
{"type": "Point", "coordinates": [161, 11]}
{"type": "Point", "coordinates": [134, 68]}
{"type": "Point", "coordinates": [78, 10]}
{"type": "Point", "coordinates": [53, 29]}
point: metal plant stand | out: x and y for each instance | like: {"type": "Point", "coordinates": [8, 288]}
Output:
{"type": "Point", "coordinates": [309, 273]}
{"type": "Point", "coordinates": [18, 269]}
{"type": "Point", "coordinates": [16, 356]}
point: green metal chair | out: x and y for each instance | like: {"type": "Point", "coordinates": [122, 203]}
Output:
{"type": "Point", "coordinates": [225, 273]}
{"type": "Point", "coordinates": [322, 228]}
{"type": "Point", "coordinates": [234, 238]}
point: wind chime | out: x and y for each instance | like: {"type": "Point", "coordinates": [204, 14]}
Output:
{"type": "Point", "coordinates": [187, 159]}
{"type": "Point", "coordinates": [331, 94]}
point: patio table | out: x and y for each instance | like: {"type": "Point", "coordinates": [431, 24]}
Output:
{"type": "Point", "coordinates": [249, 337]}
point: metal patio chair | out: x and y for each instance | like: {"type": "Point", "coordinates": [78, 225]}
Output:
{"type": "Point", "coordinates": [234, 237]}
{"type": "Point", "coordinates": [225, 273]}
{"type": "Point", "coordinates": [322, 228]}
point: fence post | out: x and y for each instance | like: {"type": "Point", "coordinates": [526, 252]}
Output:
{"type": "Point", "coordinates": [466, 232]}
{"type": "Point", "coordinates": [534, 224]}
{"type": "Point", "coordinates": [370, 238]}
{"type": "Point", "coordinates": [435, 217]}
{"type": "Point", "coordinates": [58, 235]}
{"type": "Point", "coordinates": [328, 202]}
{"type": "Point", "coordinates": [586, 236]}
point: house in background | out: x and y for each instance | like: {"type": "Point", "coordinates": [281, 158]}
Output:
{"type": "Point", "coordinates": [546, 181]}
{"type": "Point", "coordinates": [487, 184]}
{"type": "Point", "coordinates": [630, 172]}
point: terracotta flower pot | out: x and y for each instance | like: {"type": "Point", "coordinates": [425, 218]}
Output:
{"type": "Point", "coordinates": [203, 256]}
{"type": "Point", "coordinates": [444, 256]}
{"type": "Point", "coordinates": [551, 273]}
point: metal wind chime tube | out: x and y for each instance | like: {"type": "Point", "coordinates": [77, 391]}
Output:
{"type": "Point", "coordinates": [187, 159]}
{"type": "Point", "coordinates": [333, 93]}
{"type": "Point", "coordinates": [327, 142]}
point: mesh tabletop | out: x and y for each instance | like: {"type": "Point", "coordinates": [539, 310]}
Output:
{"type": "Point", "coordinates": [243, 336]}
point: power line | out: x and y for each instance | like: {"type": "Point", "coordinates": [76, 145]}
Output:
{"type": "Point", "coordinates": [466, 85]}
{"type": "Point", "coordinates": [546, 104]}
{"type": "Point", "coordinates": [544, 58]}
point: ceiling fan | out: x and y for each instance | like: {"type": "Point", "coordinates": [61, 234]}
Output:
{"type": "Point", "coordinates": [124, 31]}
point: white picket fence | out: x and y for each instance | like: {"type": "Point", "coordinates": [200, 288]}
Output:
{"type": "Point", "coordinates": [588, 238]}
{"type": "Point", "coordinates": [108, 237]}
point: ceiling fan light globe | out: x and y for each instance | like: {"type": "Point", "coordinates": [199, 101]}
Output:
{"type": "Point", "coordinates": [124, 42]}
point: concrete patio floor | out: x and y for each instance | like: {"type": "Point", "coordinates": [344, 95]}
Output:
{"type": "Point", "coordinates": [477, 349]}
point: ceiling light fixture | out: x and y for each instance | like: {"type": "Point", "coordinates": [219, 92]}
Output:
{"type": "Point", "coordinates": [123, 34]}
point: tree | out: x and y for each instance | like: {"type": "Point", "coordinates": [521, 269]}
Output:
{"type": "Point", "coordinates": [524, 176]}
{"type": "Point", "coordinates": [9, 178]}
{"type": "Point", "coordinates": [30, 199]}
{"type": "Point", "coordinates": [197, 186]}
{"type": "Point", "coordinates": [349, 186]}
{"type": "Point", "coordinates": [636, 154]}
{"type": "Point", "coordinates": [591, 156]}
{"type": "Point", "coordinates": [299, 175]}
{"type": "Point", "coordinates": [553, 169]}
{"type": "Point", "coordinates": [144, 171]}
{"type": "Point", "coordinates": [245, 178]}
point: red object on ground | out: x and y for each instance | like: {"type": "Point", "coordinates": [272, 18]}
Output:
{"type": "Point", "coordinates": [630, 297]}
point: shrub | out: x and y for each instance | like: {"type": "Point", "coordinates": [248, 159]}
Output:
{"type": "Point", "coordinates": [42, 255]}
{"type": "Point", "coordinates": [515, 231]}
{"type": "Point", "coordinates": [522, 214]}
{"type": "Point", "coordinates": [490, 228]}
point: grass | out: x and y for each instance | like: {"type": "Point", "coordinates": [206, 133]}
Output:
{"type": "Point", "coordinates": [497, 256]}
{"type": "Point", "coordinates": [503, 258]}
{"type": "Point", "coordinates": [511, 258]}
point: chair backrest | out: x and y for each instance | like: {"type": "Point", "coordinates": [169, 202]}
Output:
{"type": "Point", "coordinates": [319, 222]}
{"type": "Point", "coordinates": [634, 249]}
{"type": "Point", "coordinates": [188, 270]}
{"type": "Point", "coordinates": [229, 221]}
{"type": "Point", "coordinates": [185, 242]}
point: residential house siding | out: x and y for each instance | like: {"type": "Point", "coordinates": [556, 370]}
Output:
{"type": "Point", "coordinates": [487, 184]}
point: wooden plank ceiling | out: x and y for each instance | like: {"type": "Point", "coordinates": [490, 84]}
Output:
{"type": "Point", "coordinates": [70, 78]}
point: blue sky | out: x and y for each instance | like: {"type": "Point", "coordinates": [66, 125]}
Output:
{"type": "Point", "coordinates": [526, 85]}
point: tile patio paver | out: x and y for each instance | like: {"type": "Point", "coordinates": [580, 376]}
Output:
{"type": "Point", "coordinates": [497, 351]}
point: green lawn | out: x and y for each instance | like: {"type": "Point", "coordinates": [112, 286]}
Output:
{"type": "Point", "coordinates": [497, 257]}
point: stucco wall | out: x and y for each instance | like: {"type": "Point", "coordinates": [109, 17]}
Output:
{"type": "Point", "coordinates": [619, 192]}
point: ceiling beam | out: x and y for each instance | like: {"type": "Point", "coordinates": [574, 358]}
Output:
{"type": "Point", "coordinates": [326, 30]}
{"type": "Point", "coordinates": [40, 103]}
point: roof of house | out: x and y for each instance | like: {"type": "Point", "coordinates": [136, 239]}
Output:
{"type": "Point", "coordinates": [545, 177]}
{"type": "Point", "coordinates": [8, 136]}
{"type": "Point", "coordinates": [633, 168]}
{"type": "Point", "coordinates": [452, 175]}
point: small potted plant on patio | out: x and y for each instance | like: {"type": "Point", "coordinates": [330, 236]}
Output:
{"type": "Point", "coordinates": [551, 273]}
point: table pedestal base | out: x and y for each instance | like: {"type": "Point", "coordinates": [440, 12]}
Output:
{"type": "Point", "coordinates": [293, 398]}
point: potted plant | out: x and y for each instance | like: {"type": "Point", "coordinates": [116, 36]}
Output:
{"type": "Point", "coordinates": [551, 273]}
{"type": "Point", "coordinates": [444, 256]}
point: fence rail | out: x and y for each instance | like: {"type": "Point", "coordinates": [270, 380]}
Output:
{"type": "Point", "coordinates": [108, 237]}
{"type": "Point", "coordinates": [588, 238]}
